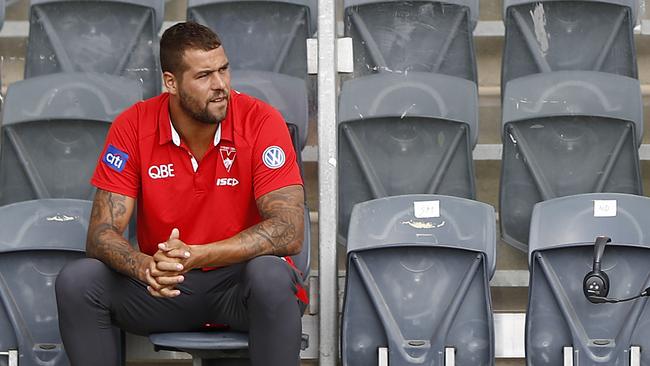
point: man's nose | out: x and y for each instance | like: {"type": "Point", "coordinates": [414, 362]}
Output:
{"type": "Point", "coordinates": [218, 81]}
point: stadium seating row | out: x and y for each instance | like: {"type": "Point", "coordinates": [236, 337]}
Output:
{"type": "Point", "coordinates": [86, 62]}
{"type": "Point", "coordinates": [421, 251]}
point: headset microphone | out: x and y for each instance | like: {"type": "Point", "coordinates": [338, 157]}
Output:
{"type": "Point", "coordinates": [602, 300]}
{"type": "Point", "coordinates": [596, 283]}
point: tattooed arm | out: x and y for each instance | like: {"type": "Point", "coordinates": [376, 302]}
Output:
{"type": "Point", "coordinates": [109, 217]}
{"type": "Point", "coordinates": [281, 234]}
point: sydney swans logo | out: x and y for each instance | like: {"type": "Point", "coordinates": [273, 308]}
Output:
{"type": "Point", "coordinates": [228, 156]}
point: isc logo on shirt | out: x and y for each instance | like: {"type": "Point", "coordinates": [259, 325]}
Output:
{"type": "Point", "coordinates": [227, 182]}
{"type": "Point", "coordinates": [115, 158]}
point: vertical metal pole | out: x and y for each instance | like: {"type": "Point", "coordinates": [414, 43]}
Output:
{"type": "Point", "coordinates": [327, 183]}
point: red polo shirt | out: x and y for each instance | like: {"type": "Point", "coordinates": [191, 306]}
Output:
{"type": "Point", "coordinates": [212, 200]}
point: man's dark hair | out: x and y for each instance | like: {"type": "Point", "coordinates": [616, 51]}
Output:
{"type": "Point", "coordinates": [181, 37]}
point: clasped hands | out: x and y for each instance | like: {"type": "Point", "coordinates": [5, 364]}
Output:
{"type": "Point", "coordinates": [168, 266]}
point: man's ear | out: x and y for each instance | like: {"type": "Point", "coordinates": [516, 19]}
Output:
{"type": "Point", "coordinates": [170, 82]}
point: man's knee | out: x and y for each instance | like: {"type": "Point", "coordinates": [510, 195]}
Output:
{"type": "Point", "coordinates": [269, 278]}
{"type": "Point", "coordinates": [79, 279]}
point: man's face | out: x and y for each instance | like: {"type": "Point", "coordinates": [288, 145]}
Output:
{"type": "Point", "coordinates": [204, 86]}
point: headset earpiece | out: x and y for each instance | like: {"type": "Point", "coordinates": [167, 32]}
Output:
{"type": "Point", "coordinates": [596, 282]}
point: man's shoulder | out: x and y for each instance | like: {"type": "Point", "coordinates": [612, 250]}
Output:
{"type": "Point", "coordinates": [142, 115]}
{"type": "Point", "coordinates": [249, 103]}
{"type": "Point", "coordinates": [253, 112]}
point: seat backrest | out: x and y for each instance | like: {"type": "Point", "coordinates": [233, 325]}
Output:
{"type": "Point", "coordinates": [405, 134]}
{"type": "Point", "coordinates": [274, 32]}
{"type": "Point", "coordinates": [2, 12]}
{"type": "Point", "coordinates": [53, 131]}
{"type": "Point", "coordinates": [566, 133]}
{"type": "Point", "coordinates": [287, 94]}
{"type": "Point", "coordinates": [551, 35]}
{"type": "Point", "coordinates": [38, 239]}
{"type": "Point", "coordinates": [418, 281]}
{"type": "Point", "coordinates": [563, 231]}
{"type": "Point", "coordinates": [111, 37]}
{"type": "Point", "coordinates": [414, 36]}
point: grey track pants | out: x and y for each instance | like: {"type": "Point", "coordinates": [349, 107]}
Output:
{"type": "Point", "coordinates": [256, 296]}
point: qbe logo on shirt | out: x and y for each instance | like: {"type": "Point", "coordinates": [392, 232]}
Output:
{"type": "Point", "coordinates": [115, 158]}
{"type": "Point", "coordinates": [273, 157]}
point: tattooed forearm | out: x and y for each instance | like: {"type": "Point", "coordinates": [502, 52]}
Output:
{"type": "Point", "coordinates": [116, 207]}
{"type": "Point", "coordinates": [110, 215]}
{"type": "Point", "coordinates": [281, 233]}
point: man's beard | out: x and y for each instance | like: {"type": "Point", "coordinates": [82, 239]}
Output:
{"type": "Point", "coordinates": [192, 107]}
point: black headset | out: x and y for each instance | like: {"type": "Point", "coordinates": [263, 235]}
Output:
{"type": "Point", "coordinates": [596, 283]}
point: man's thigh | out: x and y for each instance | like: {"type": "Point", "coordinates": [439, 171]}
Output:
{"type": "Point", "coordinates": [136, 311]}
{"type": "Point", "coordinates": [266, 277]}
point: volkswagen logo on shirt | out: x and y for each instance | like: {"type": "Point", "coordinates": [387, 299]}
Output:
{"type": "Point", "coordinates": [273, 157]}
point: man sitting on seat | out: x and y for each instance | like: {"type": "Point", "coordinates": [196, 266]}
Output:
{"type": "Point", "coordinates": [220, 202]}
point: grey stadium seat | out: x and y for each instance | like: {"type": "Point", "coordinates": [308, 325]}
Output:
{"type": "Point", "coordinates": [286, 93]}
{"type": "Point", "coordinates": [54, 128]}
{"type": "Point", "coordinates": [2, 20]}
{"type": "Point", "coordinates": [38, 238]}
{"type": "Point", "coordinates": [267, 35]}
{"type": "Point", "coordinates": [412, 36]}
{"type": "Point", "coordinates": [563, 232]}
{"type": "Point", "coordinates": [2, 12]}
{"type": "Point", "coordinates": [566, 133]}
{"type": "Point", "coordinates": [266, 43]}
{"type": "Point", "coordinates": [417, 285]}
{"type": "Point", "coordinates": [552, 35]}
{"type": "Point", "coordinates": [405, 134]}
{"type": "Point", "coordinates": [118, 37]}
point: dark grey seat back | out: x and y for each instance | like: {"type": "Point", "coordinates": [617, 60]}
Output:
{"type": "Point", "coordinates": [287, 94]}
{"type": "Point", "coordinates": [563, 231]}
{"type": "Point", "coordinates": [2, 13]}
{"type": "Point", "coordinates": [54, 128]}
{"type": "Point", "coordinates": [113, 37]}
{"type": "Point", "coordinates": [405, 134]}
{"type": "Point", "coordinates": [274, 33]}
{"type": "Point", "coordinates": [566, 133]}
{"type": "Point", "coordinates": [418, 281]}
{"type": "Point", "coordinates": [38, 239]}
{"type": "Point", "coordinates": [551, 35]}
{"type": "Point", "coordinates": [634, 5]}
{"type": "Point", "coordinates": [472, 5]}
{"type": "Point", "coordinates": [412, 36]}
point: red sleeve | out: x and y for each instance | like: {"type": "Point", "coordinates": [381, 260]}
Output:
{"type": "Point", "coordinates": [117, 168]}
{"type": "Point", "coordinates": [274, 160]}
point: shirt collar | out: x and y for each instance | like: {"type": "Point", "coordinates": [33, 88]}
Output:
{"type": "Point", "coordinates": [176, 138]}
{"type": "Point", "coordinates": [168, 132]}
